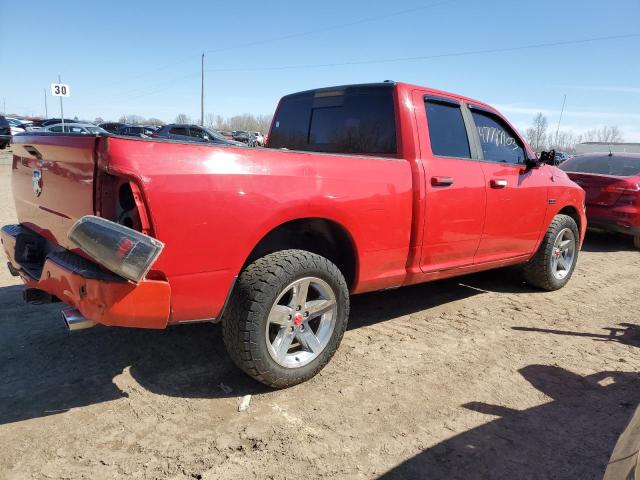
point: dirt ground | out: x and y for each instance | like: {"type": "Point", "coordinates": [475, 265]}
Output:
{"type": "Point", "coordinates": [477, 377]}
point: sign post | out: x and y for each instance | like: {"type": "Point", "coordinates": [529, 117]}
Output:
{"type": "Point", "coordinates": [60, 90]}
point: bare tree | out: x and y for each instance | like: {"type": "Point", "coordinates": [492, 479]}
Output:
{"type": "Point", "coordinates": [131, 119]}
{"type": "Point", "coordinates": [210, 120]}
{"type": "Point", "coordinates": [246, 121]}
{"type": "Point", "coordinates": [98, 120]}
{"type": "Point", "coordinates": [537, 133]}
{"type": "Point", "coordinates": [154, 122]}
{"type": "Point", "coordinates": [611, 134]}
{"type": "Point", "coordinates": [183, 118]}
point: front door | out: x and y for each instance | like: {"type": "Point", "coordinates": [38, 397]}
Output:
{"type": "Point", "coordinates": [517, 198]}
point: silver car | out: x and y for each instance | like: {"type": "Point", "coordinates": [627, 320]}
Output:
{"type": "Point", "coordinates": [83, 128]}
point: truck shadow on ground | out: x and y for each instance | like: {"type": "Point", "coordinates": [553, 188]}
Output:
{"type": "Point", "coordinates": [569, 437]}
{"type": "Point", "coordinates": [607, 242]}
{"type": "Point", "coordinates": [625, 333]}
{"type": "Point", "coordinates": [46, 370]}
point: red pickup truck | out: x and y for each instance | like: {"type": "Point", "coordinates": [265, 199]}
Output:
{"type": "Point", "coordinates": [360, 188]}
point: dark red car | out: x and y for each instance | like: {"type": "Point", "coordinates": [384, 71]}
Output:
{"type": "Point", "coordinates": [612, 185]}
{"type": "Point", "coordinates": [360, 188]}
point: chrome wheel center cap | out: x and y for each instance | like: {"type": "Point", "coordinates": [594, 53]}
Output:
{"type": "Point", "coordinates": [297, 319]}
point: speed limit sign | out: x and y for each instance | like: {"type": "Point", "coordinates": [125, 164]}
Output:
{"type": "Point", "coordinates": [59, 90]}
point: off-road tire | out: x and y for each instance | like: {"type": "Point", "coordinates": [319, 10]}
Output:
{"type": "Point", "coordinates": [245, 319]}
{"type": "Point", "coordinates": [636, 241]}
{"type": "Point", "coordinates": [538, 270]}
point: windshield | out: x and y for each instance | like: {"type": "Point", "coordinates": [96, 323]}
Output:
{"type": "Point", "coordinates": [618, 165]}
{"type": "Point", "coordinates": [216, 135]}
{"type": "Point", "coordinates": [96, 130]}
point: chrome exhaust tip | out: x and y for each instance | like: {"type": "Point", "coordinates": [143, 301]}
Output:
{"type": "Point", "coordinates": [74, 320]}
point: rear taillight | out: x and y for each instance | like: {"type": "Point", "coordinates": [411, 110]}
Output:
{"type": "Point", "coordinates": [623, 187]}
{"type": "Point", "coordinates": [120, 249]}
{"type": "Point", "coordinates": [629, 193]}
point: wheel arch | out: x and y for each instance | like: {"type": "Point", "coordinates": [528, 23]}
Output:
{"type": "Point", "coordinates": [318, 235]}
{"type": "Point", "coordinates": [572, 212]}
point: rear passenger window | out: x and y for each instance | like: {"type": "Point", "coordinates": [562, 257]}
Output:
{"type": "Point", "coordinates": [178, 131]}
{"type": "Point", "coordinates": [499, 143]}
{"type": "Point", "coordinates": [447, 132]}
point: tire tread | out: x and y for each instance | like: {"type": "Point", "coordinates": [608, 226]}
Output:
{"type": "Point", "coordinates": [537, 272]}
{"type": "Point", "coordinates": [252, 295]}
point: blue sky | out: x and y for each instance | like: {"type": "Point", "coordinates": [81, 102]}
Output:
{"type": "Point", "coordinates": [143, 57]}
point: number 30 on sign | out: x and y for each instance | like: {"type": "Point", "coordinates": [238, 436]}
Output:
{"type": "Point", "coordinates": [59, 90]}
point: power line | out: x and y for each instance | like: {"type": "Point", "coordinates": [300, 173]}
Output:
{"type": "Point", "coordinates": [534, 46]}
{"type": "Point", "coordinates": [332, 27]}
{"type": "Point", "coordinates": [298, 34]}
{"type": "Point", "coordinates": [430, 57]}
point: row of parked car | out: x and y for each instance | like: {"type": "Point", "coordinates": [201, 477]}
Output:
{"type": "Point", "coordinates": [182, 132]}
{"type": "Point", "coordinates": [186, 132]}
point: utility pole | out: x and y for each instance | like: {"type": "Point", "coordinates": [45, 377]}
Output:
{"type": "Point", "coordinates": [46, 111]}
{"type": "Point", "coordinates": [202, 92]}
{"type": "Point", "coordinates": [560, 119]}
{"type": "Point", "coordinates": [61, 110]}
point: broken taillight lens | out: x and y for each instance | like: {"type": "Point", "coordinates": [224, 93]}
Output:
{"type": "Point", "coordinates": [122, 250]}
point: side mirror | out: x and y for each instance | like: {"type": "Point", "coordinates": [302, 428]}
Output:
{"type": "Point", "coordinates": [548, 157]}
{"type": "Point", "coordinates": [532, 163]}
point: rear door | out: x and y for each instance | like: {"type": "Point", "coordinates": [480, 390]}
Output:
{"type": "Point", "coordinates": [455, 192]}
{"type": "Point", "coordinates": [517, 198]}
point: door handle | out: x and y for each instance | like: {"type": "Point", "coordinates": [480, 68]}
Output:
{"type": "Point", "coordinates": [498, 183]}
{"type": "Point", "coordinates": [441, 181]}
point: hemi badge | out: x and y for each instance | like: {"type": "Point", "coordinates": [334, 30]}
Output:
{"type": "Point", "coordinates": [552, 201]}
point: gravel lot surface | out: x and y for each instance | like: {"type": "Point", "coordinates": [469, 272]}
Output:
{"type": "Point", "coordinates": [477, 377]}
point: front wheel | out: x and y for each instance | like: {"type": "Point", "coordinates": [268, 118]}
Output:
{"type": "Point", "coordinates": [286, 318]}
{"type": "Point", "coordinates": [553, 264]}
{"type": "Point", "coordinates": [636, 241]}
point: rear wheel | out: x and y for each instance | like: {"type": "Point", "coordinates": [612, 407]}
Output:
{"type": "Point", "coordinates": [553, 264]}
{"type": "Point", "coordinates": [286, 318]}
{"type": "Point", "coordinates": [636, 241]}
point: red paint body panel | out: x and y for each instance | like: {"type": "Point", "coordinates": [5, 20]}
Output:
{"type": "Point", "coordinates": [211, 205]}
{"type": "Point", "coordinates": [67, 166]}
{"type": "Point", "coordinates": [145, 305]}
{"type": "Point", "coordinates": [514, 214]}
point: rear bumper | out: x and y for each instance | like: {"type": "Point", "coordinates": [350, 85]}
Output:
{"type": "Point", "coordinates": [613, 225]}
{"type": "Point", "coordinates": [99, 295]}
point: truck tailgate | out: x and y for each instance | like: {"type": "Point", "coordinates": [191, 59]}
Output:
{"type": "Point", "coordinates": [52, 182]}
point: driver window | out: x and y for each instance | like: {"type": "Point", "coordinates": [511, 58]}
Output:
{"type": "Point", "coordinates": [499, 142]}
